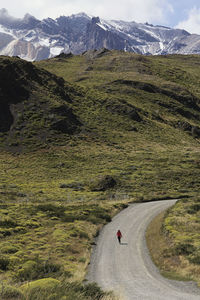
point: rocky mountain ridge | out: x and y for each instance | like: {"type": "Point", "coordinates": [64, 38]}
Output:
{"type": "Point", "coordinates": [32, 39]}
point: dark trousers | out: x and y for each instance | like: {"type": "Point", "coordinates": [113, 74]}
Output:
{"type": "Point", "coordinates": [119, 239]}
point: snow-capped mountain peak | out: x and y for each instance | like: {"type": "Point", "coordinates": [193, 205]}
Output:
{"type": "Point", "coordinates": [35, 39]}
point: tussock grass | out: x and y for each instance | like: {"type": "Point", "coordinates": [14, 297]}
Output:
{"type": "Point", "coordinates": [173, 241]}
{"type": "Point", "coordinates": [53, 289]}
{"type": "Point", "coordinates": [133, 119]}
{"type": "Point", "coordinates": [158, 245]}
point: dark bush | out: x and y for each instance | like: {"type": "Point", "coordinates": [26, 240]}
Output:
{"type": "Point", "coordinates": [93, 290]}
{"type": "Point", "coordinates": [83, 235]}
{"type": "Point", "coordinates": [194, 208]}
{"type": "Point", "coordinates": [5, 232]}
{"type": "Point", "coordinates": [94, 220]}
{"type": "Point", "coordinates": [52, 289]}
{"type": "Point", "coordinates": [184, 249]}
{"type": "Point", "coordinates": [90, 291]}
{"type": "Point", "coordinates": [95, 215]}
{"type": "Point", "coordinates": [103, 183]}
{"type": "Point", "coordinates": [52, 210]}
{"type": "Point", "coordinates": [70, 218]}
{"type": "Point", "coordinates": [64, 186]}
{"type": "Point", "coordinates": [36, 269]}
{"type": "Point", "coordinates": [76, 186]}
{"type": "Point", "coordinates": [196, 131]}
{"type": "Point", "coordinates": [10, 292]}
{"type": "Point", "coordinates": [4, 263]}
{"type": "Point", "coordinates": [7, 222]}
{"type": "Point", "coordinates": [195, 259]}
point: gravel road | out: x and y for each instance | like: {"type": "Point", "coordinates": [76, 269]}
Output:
{"type": "Point", "coordinates": [127, 268]}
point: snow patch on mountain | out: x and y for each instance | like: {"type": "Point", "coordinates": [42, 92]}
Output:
{"type": "Point", "coordinates": [33, 39]}
{"type": "Point", "coordinates": [102, 26]}
{"type": "Point", "coordinates": [3, 29]}
{"type": "Point", "coordinates": [44, 42]}
{"type": "Point", "coordinates": [56, 50]}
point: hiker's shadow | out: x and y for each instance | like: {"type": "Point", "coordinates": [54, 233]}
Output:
{"type": "Point", "coordinates": [124, 244]}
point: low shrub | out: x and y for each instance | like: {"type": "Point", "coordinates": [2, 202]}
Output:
{"type": "Point", "coordinates": [76, 186]}
{"type": "Point", "coordinates": [103, 183]}
{"type": "Point", "coordinates": [195, 258]}
{"type": "Point", "coordinates": [19, 229]}
{"type": "Point", "coordinates": [40, 289]}
{"type": "Point", "coordinates": [52, 289]}
{"type": "Point", "coordinates": [193, 209]}
{"type": "Point", "coordinates": [8, 292]}
{"type": "Point", "coordinates": [52, 210]}
{"type": "Point", "coordinates": [9, 249]}
{"type": "Point", "coordinates": [31, 270]}
{"type": "Point", "coordinates": [4, 263]}
{"type": "Point", "coordinates": [76, 290]}
{"type": "Point", "coordinates": [97, 218]}
{"type": "Point", "coordinates": [93, 291]}
{"type": "Point", "coordinates": [184, 249]}
{"type": "Point", "coordinates": [5, 232]}
{"type": "Point", "coordinates": [28, 271]}
{"type": "Point", "coordinates": [95, 215]}
{"type": "Point", "coordinates": [7, 222]}
{"type": "Point", "coordinates": [83, 235]}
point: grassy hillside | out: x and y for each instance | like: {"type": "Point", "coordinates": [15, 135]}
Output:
{"type": "Point", "coordinates": [182, 226]}
{"type": "Point", "coordinates": [80, 137]}
{"type": "Point", "coordinates": [173, 240]}
{"type": "Point", "coordinates": [148, 117]}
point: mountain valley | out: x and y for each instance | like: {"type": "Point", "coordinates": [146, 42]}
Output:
{"type": "Point", "coordinates": [81, 137]}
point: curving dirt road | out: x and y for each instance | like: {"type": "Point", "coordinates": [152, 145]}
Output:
{"type": "Point", "coordinates": [127, 268]}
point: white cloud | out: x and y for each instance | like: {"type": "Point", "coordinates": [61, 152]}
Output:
{"type": "Point", "coordinates": [135, 10]}
{"type": "Point", "coordinates": [155, 11]}
{"type": "Point", "coordinates": [192, 23]}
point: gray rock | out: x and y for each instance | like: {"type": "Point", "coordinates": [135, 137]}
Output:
{"type": "Point", "coordinates": [79, 33]}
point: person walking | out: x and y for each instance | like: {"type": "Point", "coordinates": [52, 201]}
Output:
{"type": "Point", "coordinates": [119, 236]}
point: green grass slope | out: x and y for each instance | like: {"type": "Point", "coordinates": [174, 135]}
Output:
{"type": "Point", "coordinates": [148, 112]}
{"type": "Point", "coordinates": [80, 137]}
{"type": "Point", "coordinates": [35, 106]}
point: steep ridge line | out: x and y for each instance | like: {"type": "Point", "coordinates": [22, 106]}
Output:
{"type": "Point", "coordinates": [127, 268]}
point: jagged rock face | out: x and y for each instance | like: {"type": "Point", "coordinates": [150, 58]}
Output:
{"type": "Point", "coordinates": [97, 37]}
{"type": "Point", "coordinates": [33, 39]}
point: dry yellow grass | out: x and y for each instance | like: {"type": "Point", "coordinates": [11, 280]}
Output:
{"type": "Point", "coordinates": [112, 297]}
{"type": "Point", "coordinates": [170, 265]}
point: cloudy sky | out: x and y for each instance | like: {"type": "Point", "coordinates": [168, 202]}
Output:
{"type": "Point", "coordinates": [173, 13]}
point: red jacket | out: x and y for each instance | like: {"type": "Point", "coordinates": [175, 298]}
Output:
{"type": "Point", "coordinates": [119, 233]}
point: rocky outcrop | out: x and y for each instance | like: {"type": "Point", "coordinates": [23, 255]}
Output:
{"type": "Point", "coordinates": [97, 37]}
{"type": "Point", "coordinates": [33, 39]}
